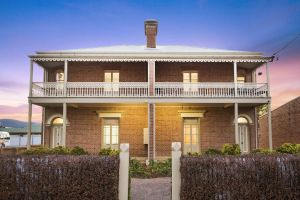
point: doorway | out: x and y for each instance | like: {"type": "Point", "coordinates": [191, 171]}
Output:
{"type": "Point", "coordinates": [57, 132]}
{"type": "Point", "coordinates": [191, 135]}
{"type": "Point", "coordinates": [243, 134]}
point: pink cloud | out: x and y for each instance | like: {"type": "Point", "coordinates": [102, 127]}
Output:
{"type": "Point", "coordinates": [20, 112]}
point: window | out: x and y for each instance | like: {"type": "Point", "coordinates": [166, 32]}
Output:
{"type": "Point", "coordinates": [191, 135]}
{"type": "Point", "coordinates": [60, 76]}
{"type": "Point", "coordinates": [189, 78]}
{"type": "Point", "coordinates": [57, 121]}
{"type": "Point", "coordinates": [242, 120]}
{"type": "Point", "coordinates": [111, 77]}
{"type": "Point", "coordinates": [111, 133]}
{"type": "Point", "coordinates": [241, 79]}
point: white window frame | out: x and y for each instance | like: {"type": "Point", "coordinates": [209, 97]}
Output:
{"type": "Point", "coordinates": [110, 145]}
{"type": "Point", "coordinates": [112, 85]}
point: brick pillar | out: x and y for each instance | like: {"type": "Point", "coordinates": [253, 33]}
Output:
{"type": "Point", "coordinates": [151, 129]}
{"type": "Point", "coordinates": [151, 78]}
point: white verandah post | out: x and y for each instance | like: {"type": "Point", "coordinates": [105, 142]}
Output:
{"type": "Point", "coordinates": [236, 127]}
{"type": "Point", "coordinates": [30, 106]}
{"type": "Point", "coordinates": [65, 77]}
{"type": "Point", "coordinates": [235, 78]}
{"type": "Point", "coordinates": [64, 123]}
{"type": "Point", "coordinates": [269, 109]}
{"type": "Point", "coordinates": [270, 126]}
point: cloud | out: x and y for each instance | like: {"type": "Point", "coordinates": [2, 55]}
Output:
{"type": "Point", "coordinates": [20, 112]}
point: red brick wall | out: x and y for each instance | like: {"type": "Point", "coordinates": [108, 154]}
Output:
{"type": "Point", "coordinates": [207, 72]}
{"type": "Point", "coordinates": [137, 71]}
{"type": "Point", "coordinates": [216, 127]}
{"type": "Point", "coordinates": [94, 71]}
{"type": "Point", "coordinates": [285, 125]}
{"type": "Point", "coordinates": [85, 129]}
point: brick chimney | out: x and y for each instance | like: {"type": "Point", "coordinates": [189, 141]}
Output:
{"type": "Point", "coordinates": [151, 32]}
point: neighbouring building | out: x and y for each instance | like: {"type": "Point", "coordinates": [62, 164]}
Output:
{"type": "Point", "coordinates": [285, 125]}
{"type": "Point", "coordinates": [149, 96]}
{"type": "Point", "coordinates": [18, 136]}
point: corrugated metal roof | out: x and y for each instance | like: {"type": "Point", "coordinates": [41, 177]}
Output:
{"type": "Point", "coordinates": [176, 49]}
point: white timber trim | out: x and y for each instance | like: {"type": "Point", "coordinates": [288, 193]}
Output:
{"type": "Point", "coordinates": [236, 128]}
{"type": "Point", "coordinates": [43, 125]}
{"type": "Point", "coordinates": [65, 77]}
{"type": "Point", "coordinates": [52, 117]}
{"type": "Point", "coordinates": [191, 113]}
{"type": "Point", "coordinates": [268, 77]}
{"type": "Point", "coordinates": [108, 115]}
{"type": "Point", "coordinates": [235, 78]}
{"type": "Point", "coordinates": [45, 100]}
{"type": "Point", "coordinates": [155, 58]}
{"type": "Point", "coordinates": [270, 127]}
{"type": "Point", "coordinates": [256, 128]}
{"type": "Point", "coordinates": [29, 124]}
{"type": "Point", "coordinates": [30, 78]}
{"type": "Point", "coordinates": [64, 123]}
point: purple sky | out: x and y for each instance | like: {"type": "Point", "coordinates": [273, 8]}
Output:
{"type": "Point", "coordinates": [29, 26]}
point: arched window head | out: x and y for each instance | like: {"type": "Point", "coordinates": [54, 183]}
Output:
{"type": "Point", "coordinates": [242, 120]}
{"type": "Point", "coordinates": [57, 121]}
{"type": "Point", "coordinates": [60, 76]}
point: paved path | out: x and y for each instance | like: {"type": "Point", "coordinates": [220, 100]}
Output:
{"type": "Point", "coordinates": [151, 189]}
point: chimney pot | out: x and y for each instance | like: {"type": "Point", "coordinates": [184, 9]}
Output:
{"type": "Point", "coordinates": [151, 32]}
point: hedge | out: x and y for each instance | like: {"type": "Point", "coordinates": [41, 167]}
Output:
{"type": "Point", "coordinates": [240, 177]}
{"type": "Point", "coordinates": [59, 177]}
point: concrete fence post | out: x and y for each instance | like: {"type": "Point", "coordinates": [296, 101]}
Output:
{"type": "Point", "coordinates": [176, 177]}
{"type": "Point", "coordinates": [124, 171]}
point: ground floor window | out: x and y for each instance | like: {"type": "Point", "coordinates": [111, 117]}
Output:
{"type": "Point", "coordinates": [191, 135]}
{"type": "Point", "coordinates": [110, 133]}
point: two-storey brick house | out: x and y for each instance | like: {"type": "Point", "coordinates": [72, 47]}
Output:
{"type": "Point", "coordinates": [149, 96]}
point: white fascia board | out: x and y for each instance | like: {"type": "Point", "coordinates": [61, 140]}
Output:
{"type": "Point", "coordinates": [44, 100]}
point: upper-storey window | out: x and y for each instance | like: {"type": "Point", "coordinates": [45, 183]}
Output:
{"type": "Point", "coordinates": [111, 76]}
{"type": "Point", "coordinates": [190, 77]}
{"type": "Point", "coordinates": [241, 79]}
{"type": "Point", "coordinates": [60, 76]}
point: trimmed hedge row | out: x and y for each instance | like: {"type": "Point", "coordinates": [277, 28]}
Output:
{"type": "Point", "coordinates": [240, 177]}
{"type": "Point", "coordinates": [59, 177]}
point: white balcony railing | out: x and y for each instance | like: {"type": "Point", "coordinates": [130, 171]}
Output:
{"type": "Point", "coordinates": [140, 89]}
{"type": "Point", "coordinates": [177, 89]}
{"type": "Point", "coordinates": [90, 89]}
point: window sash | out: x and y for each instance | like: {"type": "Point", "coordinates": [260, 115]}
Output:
{"type": "Point", "coordinates": [110, 132]}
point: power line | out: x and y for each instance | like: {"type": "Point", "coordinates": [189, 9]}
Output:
{"type": "Point", "coordinates": [285, 46]}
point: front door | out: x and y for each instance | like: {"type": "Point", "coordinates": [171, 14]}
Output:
{"type": "Point", "coordinates": [243, 138]}
{"type": "Point", "coordinates": [191, 135]}
{"type": "Point", "coordinates": [57, 133]}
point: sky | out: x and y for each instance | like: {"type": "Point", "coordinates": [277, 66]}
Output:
{"type": "Point", "coordinates": [27, 26]}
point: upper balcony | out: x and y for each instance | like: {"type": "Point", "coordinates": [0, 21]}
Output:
{"type": "Point", "coordinates": [162, 82]}
{"type": "Point", "coordinates": [140, 89]}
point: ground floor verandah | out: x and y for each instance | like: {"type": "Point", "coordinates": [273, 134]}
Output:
{"type": "Point", "coordinates": [150, 128]}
